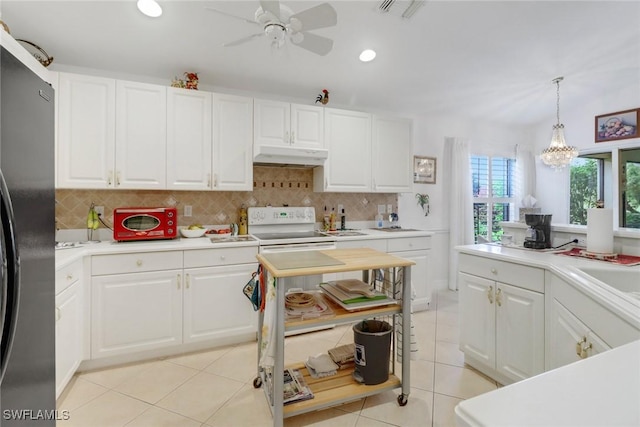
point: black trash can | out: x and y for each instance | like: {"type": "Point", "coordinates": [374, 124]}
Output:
{"type": "Point", "coordinates": [372, 340]}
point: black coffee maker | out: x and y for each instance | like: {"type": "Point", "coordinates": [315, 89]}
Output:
{"type": "Point", "coordinates": [538, 235]}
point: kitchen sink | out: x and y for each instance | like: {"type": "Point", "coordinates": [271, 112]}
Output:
{"type": "Point", "coordinates": [622, 280]}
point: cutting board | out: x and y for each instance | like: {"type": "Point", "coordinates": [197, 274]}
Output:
{"type": "Point", "coordinates": [302, 259]}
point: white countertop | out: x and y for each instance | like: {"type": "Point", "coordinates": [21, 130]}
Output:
{"type": "Point", "coordinates": [603, 390]}
{"type": "Point", "coordinates": [67, 256]}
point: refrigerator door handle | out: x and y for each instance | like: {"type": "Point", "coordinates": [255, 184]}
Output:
{"type": "Point", "coordinates": [10, 276]}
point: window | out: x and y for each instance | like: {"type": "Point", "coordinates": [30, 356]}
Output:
{"type": "Point", "coordinates": [586, 186]}
{"type": "Point", "coordinates": [630, 188]}
{"type": "Point", "coordinates": [493, 183]}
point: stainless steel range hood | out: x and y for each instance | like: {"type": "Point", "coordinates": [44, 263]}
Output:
{"type": "Point", "coordinates": [270, 154]}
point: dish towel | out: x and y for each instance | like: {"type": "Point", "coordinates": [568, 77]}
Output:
{"type": "Point", "coordinates": [267, 347]}
{"type": "Point", "coordinates": [321, 366]}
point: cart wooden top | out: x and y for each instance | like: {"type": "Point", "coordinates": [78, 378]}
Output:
{"type": "Point", "coordinates": [304, 263]}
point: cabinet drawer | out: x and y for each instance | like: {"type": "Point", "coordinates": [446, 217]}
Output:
{"type": "Point", "coordinates": [67, 276]}
{"type": "Point", "coordinates": [135, 262]}
{"type": "Point", "coordinates": [519, 275]}
{"type": "Point", "coordinates": [221, 256]}
{"type": "Point", "coordinates": [408, 244]}
{"type": "Point", "coordinates": [377, 244]}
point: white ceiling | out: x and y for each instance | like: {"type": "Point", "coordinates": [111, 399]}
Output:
{"type": "Point", "coordinates": [477, 59]}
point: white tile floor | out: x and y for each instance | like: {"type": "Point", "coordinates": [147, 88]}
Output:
{"type": "Point", "coordinates": [214, 388]}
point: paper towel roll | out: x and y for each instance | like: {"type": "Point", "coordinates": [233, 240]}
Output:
{"type": "Point", "coordinates": [600, 231]}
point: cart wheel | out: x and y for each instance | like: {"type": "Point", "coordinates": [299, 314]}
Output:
{"type": "Point", "coordinates": [257, 382]}
{"type": "Point", "coordinates": [403, 399]}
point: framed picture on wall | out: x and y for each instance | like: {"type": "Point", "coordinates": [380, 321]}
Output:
{"type": "Point", "coordinates": [424, 170]}
{"type": "Point", "coordinates": [615, 126]}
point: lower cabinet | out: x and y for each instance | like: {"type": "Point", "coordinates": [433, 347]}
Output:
{"type": "Point", "coordinates": [69, 330]}
{"type": "Point", "coordinates": [135, 312]}
{"type": "Point", "coordinates": [214, 305]}
{"type": "Point", "coordinates": [501, 325]}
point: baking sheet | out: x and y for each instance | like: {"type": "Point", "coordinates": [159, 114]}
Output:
{"type": "Point", "coordinates": [301, 259]}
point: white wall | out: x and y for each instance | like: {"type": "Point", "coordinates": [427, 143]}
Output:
{"type": "Point", "coordinates": [429, 133]}
{"type": "Point", "coordinates": [579, 123]}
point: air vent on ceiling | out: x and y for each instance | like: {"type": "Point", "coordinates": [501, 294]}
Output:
{"type": "Point", "coordinates": [403, 8]}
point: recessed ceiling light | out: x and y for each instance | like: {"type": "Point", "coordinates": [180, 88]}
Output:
{"type": "Point", "coordinates": [150, 8]}
{"type": "Point", "coordinates": [367, 55]}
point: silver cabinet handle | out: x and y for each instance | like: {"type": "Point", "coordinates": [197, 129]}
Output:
{"type": "Point", "coordinates": [490, 294]}
{"type": "Point", "coordinates": [118, 179]}
{"type": "Point", "coordinates": [69, 276]}
{"type": "Point", "coordinates": [109, 178]}
{"type": "Point", "coordinates": [208, 180]}
{"type": "Point", "coordinates": [139, 263]}
{"type": "Point", "coordinates": [179, 281]}
{"type": "Point", "coordinates": [58, 314]}
{"type": "Point", "coordinates": [293, 137]}
{"type": "Point", "coordinates": [499, 297]}
{"type": "Point", "coordinates": [287, 138]}
{"type": "Point", "coordinates": [494, 271]}
{"type": "Point", "coordinates": [579, 345]}
{"type": "Point", "coordinates": [187, 280]}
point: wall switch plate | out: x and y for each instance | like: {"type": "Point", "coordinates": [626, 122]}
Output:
{"type": "Point", "coordinates": [187, 210]}
{"type": "Point", "coordinates": [99, 210]}
{"type": "Point", "coordinates": [389, 209]}
{"type": "Point", "coordinates": [381, 209]}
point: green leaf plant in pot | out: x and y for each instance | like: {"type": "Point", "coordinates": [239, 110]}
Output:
{"type": "Point", "coordinates": [423, 202]}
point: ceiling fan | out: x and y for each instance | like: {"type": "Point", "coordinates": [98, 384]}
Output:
{"type": "Point", "coordinates": [280, 23]}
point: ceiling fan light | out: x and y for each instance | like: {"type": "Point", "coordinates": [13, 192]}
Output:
{"type": "Point", "coordinates": [150, 8]}
{"type": "Point", "coordinates": [367, 55]}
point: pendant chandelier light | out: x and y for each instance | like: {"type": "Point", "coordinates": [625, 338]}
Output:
{"type": "Point", "coordinates": [558, 154]}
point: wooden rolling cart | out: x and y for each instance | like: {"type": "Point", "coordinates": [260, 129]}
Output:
{"type": "Point", "coordinates": [340, 388]}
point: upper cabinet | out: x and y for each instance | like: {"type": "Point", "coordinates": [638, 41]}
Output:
{"type": "Point", "coordinates": [141, 135]}
{"type": "Point", "coordinates": [189, 151]}
{"type": "Point", "coordinates": [86, 131]}
{"type": "Point", "coordinates": [392, 160]}
{"type": "Point", "coordinates": [283, 124]}
{"type": "Point", "coordinates": [348, 139]}
{"type": "Point", "coordinates": [232, 141]}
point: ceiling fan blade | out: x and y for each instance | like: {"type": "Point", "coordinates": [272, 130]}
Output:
{"type": "Point", "coordinates": [272, 7]}
{"type": "Point", "coordinates": [314, 43]}
{"type": "Point", "coordinates": [321, 16]}
{"type": "Point", "coordinates": [243, 40]}
{"type": "Point", "coordinates": [248, 21]}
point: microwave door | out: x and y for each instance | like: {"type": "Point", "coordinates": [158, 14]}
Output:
{"type": "Point", "coordinates": [9, 270]}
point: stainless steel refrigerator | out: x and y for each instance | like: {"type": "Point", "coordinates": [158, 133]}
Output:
{"type": "Point", "coordinates": [27, 239]}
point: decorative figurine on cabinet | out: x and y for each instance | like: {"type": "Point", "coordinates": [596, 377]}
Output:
{"type": "Point", "coordinates": [192, 80]}
{"type": "Point", "coordinates": [323, 97]}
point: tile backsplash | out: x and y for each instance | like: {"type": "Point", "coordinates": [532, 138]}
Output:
{"type": "Point", "coordinates": [273, 185]}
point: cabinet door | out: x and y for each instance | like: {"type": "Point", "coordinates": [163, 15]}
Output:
{"type": "Point", "coordinates": [567, 335]}
{"type": "Point", "coordinates": [214, 305]}
{"type": "Point", "coordinates": [420, 278]}
{"type": "Point", "coordinates": [69, 328]}
{"type": "Point", "coordinates": [141, 136]}
{"type": "Point", "coordinates": [348, 138]}
{"type": "Point", "coordinates": [392, 163]}
{"type": "Point", "coordinates": [232, 139]}
{"type": "Point", "coordinates": [307, 126]}
{"type": "Point", "coordinates": [272, 123]}
{"type": "Point", "coordinates": [189, 142]}
{"type": "Point", "coordinates": [135, 312]}
{"type": "Point", "coordinates": [477, 318]}
{"type": "Point", "coordinates": [519, 332]}
{"type": "Point", "coordinates": [86, 131]}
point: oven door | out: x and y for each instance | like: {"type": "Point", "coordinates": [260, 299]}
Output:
{"type": "Point", "coordinates": [304, 282]}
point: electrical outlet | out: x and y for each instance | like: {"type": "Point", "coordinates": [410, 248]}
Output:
{"type": "Point", "coordinates": [381, 209]}
{"type": "Point", "coordinates": [389, 209]}
{"type": "Point", "coordinates": [99, 210]}
{"type": "Point", "coordinates": [187, 210]}
{"type": "Point", "coordinates": [582, 241]}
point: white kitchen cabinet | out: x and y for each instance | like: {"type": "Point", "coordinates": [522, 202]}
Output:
{"type": "Point", "coordinates": [189, 141]}
{"type": "Point", "coordinates": [392, 155]}
{"type": "Point", "coordinates": [232, 143]}
{"type": "Point", "coordinates": [578, 327]}
{"type": "Point", "coordinates": [214, 305]}
{"type": "Point", "coordinates": [141, 136]}
{"type": "Point", "coordinates": [69, 320]}
{"type": "Point", "coordinates": [348, 139]}
{"type": "Point", "coordinates": [417, 250]}
{"type": "Point", "coordinates": [570, 339]}
{"type": "Point", "coordinates": [501, 317]}
{"type": "Point", "coordinates": [283, 124]}
{"type": "Point", "coordinates": [86, 131]}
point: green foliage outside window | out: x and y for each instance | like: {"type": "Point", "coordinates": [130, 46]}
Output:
{"type": "Point", "coordinates": [584, 190]}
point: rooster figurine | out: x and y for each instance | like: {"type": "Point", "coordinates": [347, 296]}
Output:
{"type": "Point", "coordinates": [323, 97]}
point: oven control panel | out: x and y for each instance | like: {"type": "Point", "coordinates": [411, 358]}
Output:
{"type": "Point", "coordinates": [281, 215]}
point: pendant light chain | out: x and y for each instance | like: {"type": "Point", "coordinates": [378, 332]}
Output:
{"type": "Point", "coordinates": [558, 154]}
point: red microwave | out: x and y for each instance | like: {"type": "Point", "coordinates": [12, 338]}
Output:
{"type": "Point", "coordinates": [145, 223]}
